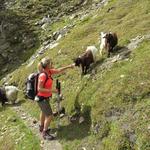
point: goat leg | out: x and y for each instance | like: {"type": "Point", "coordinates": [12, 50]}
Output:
{"type": "Point", "coordinates": [82, 66]}
{"type": "Point", "coordinates": [86, 68]}
{"type": "Point", "coordinates": [108, 49]}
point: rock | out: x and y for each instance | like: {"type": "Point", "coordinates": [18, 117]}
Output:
{"type": "Point", "coordinates": [73, 16]}
{"type": "Point", "coordinates": [12, 119]}
{"type": "Point", "coordinates": [62, 115]}
{"type": "Point", "coordinates": [4, 128]}
{"type": "Point", "coordinates": [110, 9]}
{"type": "Point", "coordinates": [122, 76]}
{"type": "Point", "coordinates": [132, 138]}
{"type": "Point", "coordinates": [88, 76]}
{"type": "Point", "coordinates": [53, 45]}
{"type": "Point", "coordinates": [44, 26]}
{"type": "Point", "coordinates": [44, 20]}
{"type": "Point", "coordinates": [24, 117]}
{"type": "Point", "coordinates": [59, 37]}
{"type": "Point", "coordinates": [115, 58]}
{"type": "Point", "coordinates": [55, 35]}
{"type": "Point", "coordinates": [59, 52]}
{"type": "Point", "coordinates": [42, 144]}
{"type": "Point", "coordinates": [95, 128]}
{"type": "Point", "coordinates": [81, 119]}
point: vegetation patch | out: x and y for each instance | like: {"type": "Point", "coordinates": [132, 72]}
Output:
{"type": "Point", "coordinates": [14, 134]}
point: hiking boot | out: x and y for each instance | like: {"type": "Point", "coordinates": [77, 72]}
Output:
{"type": "Point", "coordinates": [47, 136]}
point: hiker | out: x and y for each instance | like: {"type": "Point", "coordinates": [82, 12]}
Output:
{"type": "Point", "coordinates": [45, 93]}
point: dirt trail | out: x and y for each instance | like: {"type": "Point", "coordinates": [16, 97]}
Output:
{"type": "Point", "coordinates": [32, 124]}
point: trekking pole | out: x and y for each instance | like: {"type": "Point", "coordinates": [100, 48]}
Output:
{"type": "Point", "coordinates": [58, 87]}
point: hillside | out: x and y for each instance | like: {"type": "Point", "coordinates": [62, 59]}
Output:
{"type": "Point", "coordinates": [113, 98]}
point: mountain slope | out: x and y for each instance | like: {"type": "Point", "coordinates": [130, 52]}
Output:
{"type": "Point", "coordinates": [114, 96]}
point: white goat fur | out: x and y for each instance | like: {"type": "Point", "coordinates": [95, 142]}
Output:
{"type": "Point", "coordinates": [94, 50]}
{"type": "Point", "coordinates": [11, 93]}
{"type": "Point", "coordinates": [103, 43]}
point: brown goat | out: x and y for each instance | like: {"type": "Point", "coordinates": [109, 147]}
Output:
{"type": "Point", "coordinates": [84, 61]}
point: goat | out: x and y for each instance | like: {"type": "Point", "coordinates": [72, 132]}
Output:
{"type": "Point", "coordinates": [3, 97]}
{"type": "Point", "coordinates": [86, 59]}
{"type": "Point", "coordinates": [11, 93]}
{"type": "Point", "coordinates": [108, 42]}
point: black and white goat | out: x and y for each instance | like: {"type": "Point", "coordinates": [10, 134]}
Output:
{"type": "Point", "coordinates": [11, 93]}
{"type": "Point", "coordinates": [108, 42]}
{"type": "Point", "coordinates": [3, 98]}
{"type": "Point", "coordinates": [8, 93]}
{"type": "Point", "coordinates": [86, 59]}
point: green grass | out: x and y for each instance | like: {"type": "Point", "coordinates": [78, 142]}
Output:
{"type": "Point", "coordinates": [126, 100]}
{"type": "Point", "coordinates": [14, 134]}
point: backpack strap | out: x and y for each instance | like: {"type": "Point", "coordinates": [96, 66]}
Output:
{"type": "Point", "coordinates": [36, 83]}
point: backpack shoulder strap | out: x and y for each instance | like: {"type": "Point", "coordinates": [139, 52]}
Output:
{"type": "Point", "coordinates": [36, 81]}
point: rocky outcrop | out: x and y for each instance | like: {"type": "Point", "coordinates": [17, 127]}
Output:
{"type": "Point", "coordinates": [16, 40]}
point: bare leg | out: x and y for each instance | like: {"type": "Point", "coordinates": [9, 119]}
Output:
{"type": "Point", "coordinates": [42, 119]}
{"type": "Point", "coordinates": [46, 134]}
{"type": "Point", "coordinates": [47, 122]}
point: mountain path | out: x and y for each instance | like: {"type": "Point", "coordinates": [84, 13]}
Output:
{"type": "Point", "coordinates": [33, 125]}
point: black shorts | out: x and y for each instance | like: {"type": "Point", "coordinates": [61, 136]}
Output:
{"type": "Point", "coordinates": [45, 106]}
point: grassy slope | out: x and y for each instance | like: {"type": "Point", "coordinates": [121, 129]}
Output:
{"type": "Point", "coordinates": [109, 94]}
{"type": "Point", "coordinates": [14, 134]}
